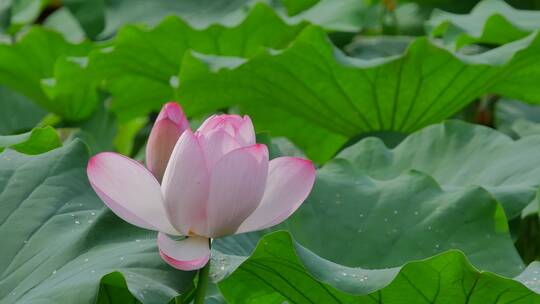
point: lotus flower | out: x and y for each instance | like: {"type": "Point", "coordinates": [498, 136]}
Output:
{"type": "Point", "coordinates": [215, 182]}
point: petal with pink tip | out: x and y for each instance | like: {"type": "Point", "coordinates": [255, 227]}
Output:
{"type": "Point", "coordinates": [169, 125]}
{"type": "Point", "coordinates": [216, 144]}
{"type": "Point", "coordinates": [290, 180]}
{"type": "Point", "coordinates": [185, 183]}
{"type": "Point", "coordinates": [173, 112]}
{"type": "Point", "coordinates": [160, 144]}
{"type": "Point", "coordinates": [229, 122]}
{"type": "Point", "coordinates": [129, 190]}
{"type": "Point", "coordinates": [209, 124]}
{"type": "Point", "coordinates": [188, 254]}
{"type": "Point", "coordinates": [237, 184]}
{"type": "Point", "coordinates": [245, 134]}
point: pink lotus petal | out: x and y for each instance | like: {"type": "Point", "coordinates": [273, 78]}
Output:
{"type": "Point", "coordinates": [209, 124]}
{"type": "Point", "coordinates": [185, 184]}
{"type": "Point", "coordinates": [216, 144]}
{"type": "Point", "coordinates": [290, 180]}
{"type": "Point", "coordinates": [169, 125]}
{"type": "Point", "coordinates": [240, 128]}
{"type": "Point", "coordinates": [129, 190]}
{"type": "Point", "coordinates": [173, 112]}
{"type": "Point", "coordinates": [237, 184]}
{"type": "Point", "coordinates": [188, 254]}
{"type": "Point", "coordinates": [224, 121]}
{"type": "Point", "coordinates": [245, 133]}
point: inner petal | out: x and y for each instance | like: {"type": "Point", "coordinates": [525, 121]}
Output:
{"type": "Point", "coordinates": [216, 144]}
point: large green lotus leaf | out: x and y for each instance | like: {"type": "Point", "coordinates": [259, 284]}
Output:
{"type": "Point", "coordinates": [458, 155]}
{"type": "Point", "coordinates": [372, 47]}
{"type": "Point", "coordinates": [18, 113]}
{"type": "Point", "coordinates": [280, 270]}
{"type": "Point", "coordinates": [72, 92]}
{"type": "Point", "coordinates": [60, 240]}
{"type": "Point", "coordinates": [319, 98]}
{"type": "Point", "coordinates": [516, 118]}
{"type": "Point", "coordinates": [343, 16]}
{"type": "Point", "coordinates": [360, 221]}
{"type": "Point", "coordinates": [127, 132]}
{"type": "Point", "coordinates": [37, 141]}
{"type": "Point", "coordinates": [526, 128]}
{"type": "Point", "coordinates": [142, 67]}
{"type": "Point", "coordinates": [89, 13]}
{"type": "Point", "coordinates": [63, 21]}
{"type": "Point", "coordinates": [98, 131]}
{"type": "Point", "coordinates": [15, 14]}
{"type": "Point", "coordinates": [353, 16]}
{"type": "Point", "coordinates": [462, 6]}
{"type": "Point", "coordinates": [198, 13]}
{"type": "Point", "coordinates": [294, 7]}
{"type": "Point", "coordinates": [51, 72]}
{"type": "Point", "coordinates": [491, 22]}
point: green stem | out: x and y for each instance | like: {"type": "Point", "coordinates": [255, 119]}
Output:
{"type": "Point", "coordinates": [202, 284]}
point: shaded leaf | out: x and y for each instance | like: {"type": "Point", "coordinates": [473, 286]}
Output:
{"type": "Point", "coordinates": [18, 13]}
{"type": "Point", "coordinates": [341, 16]}
{"type": "Point", "coordinates": [63, 21]}
{"type": "Point", "coordinates": [39, 140]}
{"type": "Point", "coordinates": [99, 131]}
{"type": "Point", "coordinates": [18, 113]}
{"type": "Point", "coordinates": [458, 155]}
{"type": "Point", "coordinates": [449, 5]}
{"type": "Point", "coordinates": [198, 13]}
{"type": "Point", "coordinates": [89, 13]}
{"type": "Point", "coordinates": [51, 72]}
{"type": "Point", "coordinates": [127, 131]}
{"type": "Point", "coordinates": [516, 118]}
{"type": "Point", "coordinates": [526, 128]}
{"type": "Point", "coordinates": [294, 6]}
{"type": "Point", "coordinates": [113, 289]}
{"type": "Point", "coordinates": [378, 46]}
{"type": "Point", "coordinates": [490, 22]}
{"type": "Point", "coordinates": [60, 240]}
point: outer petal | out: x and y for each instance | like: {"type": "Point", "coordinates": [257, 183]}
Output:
{"type": "Point", "coordinates": [185, 184]}
{"type": "Point", "coordinates": [129, 190]}
{"type": "Point", "coordinates": [236, 187]}
{"type": "Point", "coordinates": [188, 254]}
{"type": "Point", "coordinates": [173, 112]}
{"type": "Point", "coordinates": [216, 144]}
{"type": "Point", "coordinates": [290, 180]}
{"type": "Point", "coordinates": [169, 125]}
